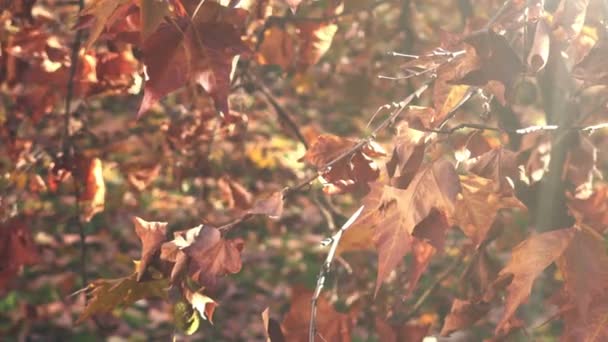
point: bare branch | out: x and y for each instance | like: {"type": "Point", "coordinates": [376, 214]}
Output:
{"type": "Point", "coordinates": [333, 241]}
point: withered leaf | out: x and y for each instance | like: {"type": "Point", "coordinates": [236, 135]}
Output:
{"type": "Point", "coordinates": [17, 249]}
{"type": "Point", "coordinates": [99, 15]}
{"type": "Point", "coordinates": [271, 206]}
{"type": "Point", "coordinates": [478, 205]}
{"type": "Point", "coordinates": [407, 156]}
{"type": "Point", "coordinates": [272, 328]}
{"type": "Point", "coordinates": [497, 61]}
{"type": "Point", "coordinates": [152, 235]}
{"type": "Point", "coordinates": [331, 325]}
{"type": "Point", "coordinates": [401, 332]}
{"type": "Point", "coordinates": [463, 314]}
{"type": "Point", "coordinates": [583, 266]}
{"type": "Point", "coordinates": [569, 18]}
{"type": "Point", "coordinates": [539, 52]}
{"type": "Point", "coordinates": [108, 294]}
{"type": "Point", "coordinates": [528, 260]}
{"type": "Point", "coordinates": [92, 199]}
{"type": "Point", "coordinates": [200, 52]}
{"type": "Point", "coordinates": [202, 303]}
{"type": "Point", "coordinates": [499, 165]}
{"type": "Point", "coordinates": [345, 175]}
{"type": "Point", "coordinates": [592, 211]}
{"type": "Point", "coordinates": [315, 40]}
{"type": "Point", "coordinates": [211, 256]}
{"type": "Point", "coordinates": [399, 211]}
{"type": "Point", "coordinates": [277, 48]}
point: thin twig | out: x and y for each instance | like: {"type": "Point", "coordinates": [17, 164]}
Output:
{"type": "Point", "coordinates": [281, 112]}
{"type": "Point", "coordinates": [398, 109]}
{"type": "Point", "coordinates": [68, 148]}
{"type": "Point", "coordinates": [434, 285]}
{"type": "Point", "coordinates": [334, 241]}
{"type": "Point", "coordinates": [521, 131]}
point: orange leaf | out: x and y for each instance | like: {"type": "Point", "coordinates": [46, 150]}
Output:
{"type": "Point", "coordinates": [152, 235]}
{"type": "Point", "coordinates": [478, 206]}
{"type": "Point", "coordinates": [399, 211]}
{"type": "Point", "coordinates": [331, 325]}
{"type": "Point", "coordinates": [528, 260]}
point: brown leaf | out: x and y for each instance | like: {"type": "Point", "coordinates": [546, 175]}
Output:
{"type": "Point", "coordinates": [108, 294]}
{"type": "Point", "coordinates": [499, 165]}
{"type": "Point", "coordinates": [407, 156]}
{"type": "Point", "coordinates": [99, 15]}
{"type": "Point", "coordinates": [277, 48]}
{"type": "Point", "coordinates": [331, 325]}
{"type": "Point", "coordinates": [315, 40]}
{"type": "Point", "coordinates": [271, 206]}
{"type": "Point", "coordinates": [152, 235]}
{"type": "Point", "coordinates": [203, 304]}
{"type": "Point", "coordinates": [581, 166]}
{"type": "Point", "coordinates": [272, 328]}
{"type": "Point", "coordinates": [234, 193]}
{"type": "Point", "coordinates": [422, 253]}
{"type": "Point", "coordinates": [152, 13]}
{"type": "Point", "coordinates": [401, 332]}
{"type": "Point", "coordinates": [293, 4]}
{"type": "Point", "coordinates": [399, 211]}
{"type": "Point", "coordinates": [592, 328]}
{"type": "Point", "coordinates": [498, 61]}
{"type": "Point", "coordinates": [569, 19]}
{"type": "Point", "coordinates": [592, 211]}
{"type": "Point", "coordinates": [539, 52]}
{"type": "Point", "coordinates": [17, 249]}
{"type": "Point", "coordinates": [356, 170]}
{"type": "Point", "coordinates": [199, 52]}
{"type": "Point", "coordinates": [463, 314]}
{"type": "Point", "coordinates": [211, 256]}
{"type": "Point", "coordinates": [583, 266]}
{"type": "Point", "coordinates": [478, 205]}
{"type": "Point", "coordinates": [92, 199]}
{"type": "Point", "coordinates": [528, 260]}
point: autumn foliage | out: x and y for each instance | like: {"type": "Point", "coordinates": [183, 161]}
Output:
{"type": "Point", "coordinates": [287, 170]}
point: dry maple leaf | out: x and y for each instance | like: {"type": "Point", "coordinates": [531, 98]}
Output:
{"type": "Point", "coordinates": [463, 314]}
{"type": "Point", "coordinates": [152, 235]}
{"type": "Point", "coordinates": [99, 15]}
{"type": "Point", "coordinates": [592, 211]}
{"type": "Point", "coordinates": [271, 206]}
{"type": "Point", "coordinates": [345, 175]}
{"type": "Point", "coordinates": [315, 40]}
{"type": "Point", "coordinates": [499, 165]}
{"type": "Point", "coordinates": [331, 325]}
{"type": "Point", "coordinates": [108, 294]}
{"type": "Point", "coordinates": [408, 153]}
{"type": "Point", "coordinates": [272, 328]}
{"type": "Point", "coordinates": [401, 332]}
{"type": "Point", "coordinates": [277, 48]}
{"type": "Point", "coordinates": [211, 256]}
{"type": "Point", "coordinates": [202, 303]}
{"type": "Point", "coordinates": [497, 62]}
{"type": "Point", "coordinates": [399, 211]}
{"type": "Point", "coordinates": [569, 19]}
{"type": "Point", "coordinates": [478, 205]}
{"type": "Point", "coordinates": [528, 260]}
{"type": "Point", "coordinates": [17, 249]}
{"type": "Point", "coordinates": [199, 51]}
{"type": "Point", "coordinates": [583, 267]}
{"type": "Point", "coordinates": [92, 199]}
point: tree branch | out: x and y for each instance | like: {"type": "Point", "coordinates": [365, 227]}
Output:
{"type": "Point", "coordinates": [333, 241]}
{"type": "Point", "coordinates": [68, 148]}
